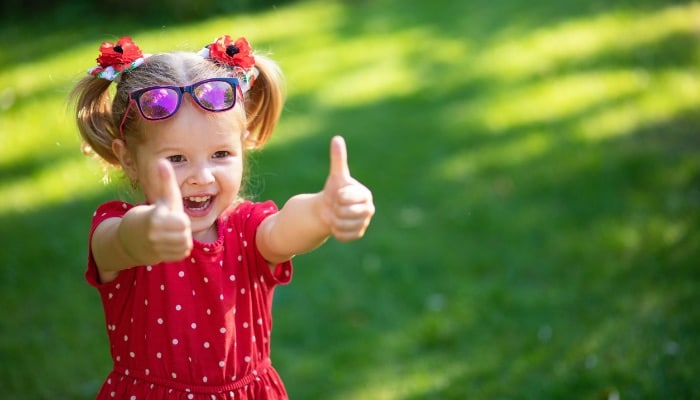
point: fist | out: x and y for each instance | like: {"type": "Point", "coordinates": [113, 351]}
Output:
{"type": "Point", "coordinates": [348, 205]}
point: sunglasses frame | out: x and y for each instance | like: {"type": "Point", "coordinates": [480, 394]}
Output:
{"type": "Point", "coordinates": [135, 97]}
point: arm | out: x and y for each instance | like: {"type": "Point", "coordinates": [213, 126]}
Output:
{"type": "Point", "coordinates": [297, 228]}
{"type": "Point", "coordinates": [145, 235]}
{"type": "Point", "coordinates": [342, 209]}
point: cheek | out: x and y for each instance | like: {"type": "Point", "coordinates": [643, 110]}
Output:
{"type": "Point", "coordinates": [229, 177]}
{"type": "Point", "coordinates": [237, 174]}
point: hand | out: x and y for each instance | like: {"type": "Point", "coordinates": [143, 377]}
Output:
{"type": "Point", "coordinates": [169, 233]}
{"type": "Point", "coordinates": [348, 206]}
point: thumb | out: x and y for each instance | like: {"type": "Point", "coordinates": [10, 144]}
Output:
{"type": "Point", "coordinates": [169, 194]}
{"type": "Point", "coordinates": [339, 159]}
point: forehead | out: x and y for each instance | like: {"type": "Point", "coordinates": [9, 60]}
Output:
{"type": "Point", "coordinates": [191, 126]}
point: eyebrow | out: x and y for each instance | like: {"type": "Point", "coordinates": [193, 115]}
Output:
{"type": "Point", "coordinates": [226, 143]}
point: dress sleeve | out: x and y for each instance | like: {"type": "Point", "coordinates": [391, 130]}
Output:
{"type": "Point", "coordinates": [250, 215]}
{"type": "Point", "coordinates": [112, 209]}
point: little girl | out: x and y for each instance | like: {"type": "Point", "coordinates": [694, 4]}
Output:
{"type": "Point", "coordinates": [187, 277]}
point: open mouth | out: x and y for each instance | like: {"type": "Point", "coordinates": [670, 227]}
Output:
{"type": "Point", "coordinates": [197, 203]}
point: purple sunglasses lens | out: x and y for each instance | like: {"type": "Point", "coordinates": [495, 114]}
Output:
{"type": "Point", "coordinates": [215, 95]}
{"type": "Point", "coordinates": [159, 103]}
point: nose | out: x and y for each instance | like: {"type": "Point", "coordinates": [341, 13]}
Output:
{"type": "Point", "coordinates": [201, 174]}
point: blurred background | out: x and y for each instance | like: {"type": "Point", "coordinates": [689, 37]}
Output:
{"type": "Point", "coordinates": [535, 167]}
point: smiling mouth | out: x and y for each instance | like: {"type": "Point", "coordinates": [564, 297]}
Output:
{"type": "Point", "coordinates": [197, 203]}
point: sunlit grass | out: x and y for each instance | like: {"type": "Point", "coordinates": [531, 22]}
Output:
{"type": "Point", "coordinates": [400, 383]}
{"type": "Point", "coordinates": [35, 126]}
{"type": "Point", "coordinates": [578, 40]}
{"type": "Point", "coordinates": [467, 162]}
{"type": "Point", "coordinates": [661, 97]}
{"type": "Point", "coordinates": [36, 121]}
{"type": "Point", "coordinates": [558, 98]}
{"type": "Point", "coordinates": [535, 185]}
{"type": "Point", "coordinates": [372, 69]}
{"type": "Point", "coordinates": [61, 182]}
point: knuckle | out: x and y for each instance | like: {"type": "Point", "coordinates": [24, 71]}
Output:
{"type": "Point", "coordinates": [153, 236]}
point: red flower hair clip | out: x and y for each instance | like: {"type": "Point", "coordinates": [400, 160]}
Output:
{"type": "Point", "coordinates": [236, 55]}
{"type": "Point", "coordinates": [118, 58]}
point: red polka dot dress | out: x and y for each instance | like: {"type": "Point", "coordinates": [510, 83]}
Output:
{"type": "Point", "coordinates": [198, 328]}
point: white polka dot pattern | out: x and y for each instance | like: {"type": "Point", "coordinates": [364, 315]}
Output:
{"type": "Point", "coordinates": [192, 327]}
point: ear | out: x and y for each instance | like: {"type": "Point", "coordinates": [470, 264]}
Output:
{"type": "Point", "coordinates": [247, 141]}
{"type": "Point", "coordinates": [126, 159]}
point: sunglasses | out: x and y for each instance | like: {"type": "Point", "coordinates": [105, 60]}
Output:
{"type": "Point", "coordinates": [157, 103]}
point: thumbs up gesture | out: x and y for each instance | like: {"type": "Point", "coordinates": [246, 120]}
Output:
{"type": "Point", "coordinates": [348, 205]}
{"type": "Point", "coordinates": [168, 231]}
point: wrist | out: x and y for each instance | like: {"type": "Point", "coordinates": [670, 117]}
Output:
{"type": "Point", "coordinates": [323, 213]}
{"type": "Point", "coordinates": [130, 234]}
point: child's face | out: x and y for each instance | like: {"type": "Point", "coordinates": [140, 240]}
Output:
{"type": "Point", "coordinates": [205, 150]}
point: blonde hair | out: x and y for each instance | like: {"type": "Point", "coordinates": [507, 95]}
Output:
{"type": "Point", "coordinates": [98, 118]}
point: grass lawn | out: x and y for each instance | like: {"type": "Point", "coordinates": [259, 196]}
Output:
{"type": "Point", "coordinates": [536, 171]}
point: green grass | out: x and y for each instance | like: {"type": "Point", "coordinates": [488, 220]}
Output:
{"type": "Point", "coordinates": [536, 171]}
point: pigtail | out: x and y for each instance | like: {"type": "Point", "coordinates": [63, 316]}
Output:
{"type": "Point", "coordinates": [94, 117]}
{"type": "Point", "coordinates": [261, 80]}
{"type": "Point", "coordinates": [264, 102]}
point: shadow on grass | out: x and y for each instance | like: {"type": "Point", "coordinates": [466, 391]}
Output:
{"type": "Point", "coordinates": [30, 32]}
{"type": "Point", "coordinates": [52, 342]}
{"type": "Point", "coordinates": [589, 278]}
{"type": "Point", "coordinates": [569, 270]}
